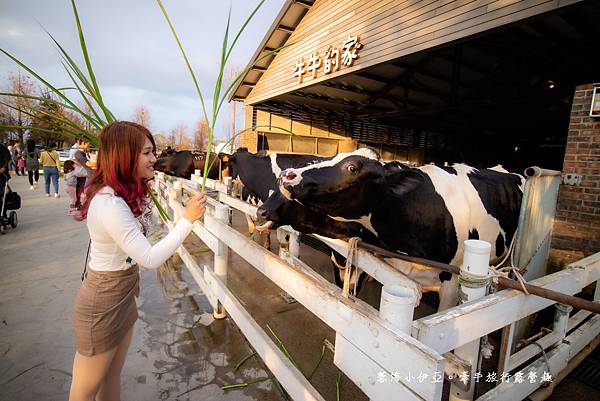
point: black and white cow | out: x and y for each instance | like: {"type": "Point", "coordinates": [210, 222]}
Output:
{"type": "Point", "coordinates": [427, 211]}
{"type": "Point", "coordinates": [183, 163]}
{"type": "Point", "coordinates": [258, 174]}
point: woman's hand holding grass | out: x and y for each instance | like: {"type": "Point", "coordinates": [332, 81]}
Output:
{"type": "Point", "coordinates": [195, 207]}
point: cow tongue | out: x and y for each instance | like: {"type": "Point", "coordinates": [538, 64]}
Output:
{"type": "Point", "coordinates": [264, 227]}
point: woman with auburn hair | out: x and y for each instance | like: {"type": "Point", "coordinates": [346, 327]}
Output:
{"type": "Point", "coordinates": [105, 309]}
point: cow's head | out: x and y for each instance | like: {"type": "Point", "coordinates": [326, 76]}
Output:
{"type": "Point", "coordinates": [275, 212]}
{"type": "Point", "coordinates": [234, 161]}
{"type": "Point", "coordinates": [164, 163]}
{"type": "Point", "coordinates": [334, 187]}
{"type": "Point", "coordinates": [167, 152]}
{"type": "Point", "coordinates": [350, 185]}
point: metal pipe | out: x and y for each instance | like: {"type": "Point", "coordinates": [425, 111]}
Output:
{"type": "Point", "coordinates": [535, 171]}
{"type": "Point", "coordinates": [397, 306]}
{"type": "Point", "coordinates": [575, 302]}
{"type": "Point", "coordinates": [526, 341]}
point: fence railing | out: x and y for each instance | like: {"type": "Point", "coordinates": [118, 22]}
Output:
{"type": "Point", "coordinates": [367, 343]}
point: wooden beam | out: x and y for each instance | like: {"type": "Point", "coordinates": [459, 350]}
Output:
{"type": "Point", "coordinates": [304, 3]}
{"type": "Point", "coordinates": [429, 74]}
{"type": "Point", "coordinates": [400, 80]}
{"type": "Point", "coordinates": [393, 99]}
{"type": "Point", "coordinates": [284, 28]}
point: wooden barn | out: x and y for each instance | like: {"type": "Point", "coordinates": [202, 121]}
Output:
{"type": "Point", "coordinates": [478, 81]}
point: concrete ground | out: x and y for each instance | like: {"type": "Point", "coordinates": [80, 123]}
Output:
{"type": "Point", "coordinates": [178, 352]}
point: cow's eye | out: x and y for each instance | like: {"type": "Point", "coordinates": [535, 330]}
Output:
{"type": "Point", "coordinates": [352, 169]}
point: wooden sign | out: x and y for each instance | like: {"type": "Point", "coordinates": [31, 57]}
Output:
{"type": "Point", "coordinates": [332, 59]}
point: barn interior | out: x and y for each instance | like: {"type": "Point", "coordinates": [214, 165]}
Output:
{"type": "Point", "coordinates": [500, 97]}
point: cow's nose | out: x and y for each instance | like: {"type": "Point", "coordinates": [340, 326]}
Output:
{"type": "Point", "coordinates": [288, 175]}
{"type": "Point", "coordinates": [261, 213]}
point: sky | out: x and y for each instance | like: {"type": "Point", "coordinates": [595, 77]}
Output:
{"type": "Point", "coordinates": [134, 55]}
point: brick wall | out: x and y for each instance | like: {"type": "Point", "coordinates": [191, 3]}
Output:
{"type": "Point", "coordinates": [248, 140]}
{"type": "Point", "coordinates": [577, 224]}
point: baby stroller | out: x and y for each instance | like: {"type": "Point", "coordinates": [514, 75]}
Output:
{"type": "Point", "coordinates": [10, 201]}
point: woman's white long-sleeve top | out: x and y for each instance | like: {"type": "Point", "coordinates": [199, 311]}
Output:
{"type": "Point", "coordinates": [116, 235]}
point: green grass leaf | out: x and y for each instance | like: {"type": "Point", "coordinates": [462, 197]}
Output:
{"type": "Point", "coordinates": [109, 116]}
{"type": "Point", "coordinates": [43, 81]}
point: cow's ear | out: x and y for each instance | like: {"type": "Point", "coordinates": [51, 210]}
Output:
{"type": "Point", "coordinates": [401, 182]}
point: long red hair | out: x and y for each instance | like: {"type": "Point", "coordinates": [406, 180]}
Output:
{"type": "Point", "coordinates": [121, 143]}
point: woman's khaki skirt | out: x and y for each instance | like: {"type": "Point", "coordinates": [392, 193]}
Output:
{"type": "Point", "coordinates": [105, 309]}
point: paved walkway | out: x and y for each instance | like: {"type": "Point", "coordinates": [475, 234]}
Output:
{"type": "Point", "coordinates": [178, 351]}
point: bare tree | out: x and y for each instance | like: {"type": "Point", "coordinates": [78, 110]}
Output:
{"type": "Point", "coordinates": [186, 143]}
{"type": "Point", "coordinates": [142, 116]}
{"type": "Point", "coordinates": [177, 136]}
{"type": "Point", "coordinates": [162, 140]}
{"type": "Point", "coordinates": [16, 108]}
{"type": "Point", "coordinates": [49, 122]}
{"type": "Point", "coordinates": [201, 135]}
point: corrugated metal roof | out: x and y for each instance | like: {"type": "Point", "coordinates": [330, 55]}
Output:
{"type": "Point", "coordinates": [285, 23]}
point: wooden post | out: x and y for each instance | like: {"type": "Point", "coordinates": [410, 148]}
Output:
{"type": "Point", "coordinates": [508, 333]}
{"type": "Point", "coordinates": [294, 243]}
{"type": "Point", "coordinates": [221, 257]}
{"type": "Point", "coordinates": [473, 285]}
{"type": "Point", "coordinates": [228, 181]}
{"type": "Point", "coordinates": [175, 195]}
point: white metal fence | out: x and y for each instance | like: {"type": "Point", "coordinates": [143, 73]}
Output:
{"type": "Point", "coordinates": [377, 355]}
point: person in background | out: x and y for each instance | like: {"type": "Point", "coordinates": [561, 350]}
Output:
{"type": "Point", "coordinates": [74, 149]}
{"type": "Point", "coordinates": [83, 169]}
{"type": "Point", "coordinates": [20, 165]}
{"type": "Point", "coordinates": [12, 149]}
{"type": "Point", "coordinates": [71, 185]}
{"type": "Point", "coordinates": [16, 153]}
{"type": "Point", "coordinates": [32, 163]}
{"type": "Point", "coordinates": [50, 162]}
{"type": "Point", "coordinates": [5, 159]}
{"type": "Point", "coordinates": [105, 308]}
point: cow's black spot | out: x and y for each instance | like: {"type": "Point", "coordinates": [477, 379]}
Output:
{"type": "Point", "coordinates": [445, 276]}
{"type": "Point", "coordinates": [473, 234]}
{"type": "Point", "coordinates": [500, 195]}
{"type": "Point", "coordinates": [500, 245]}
